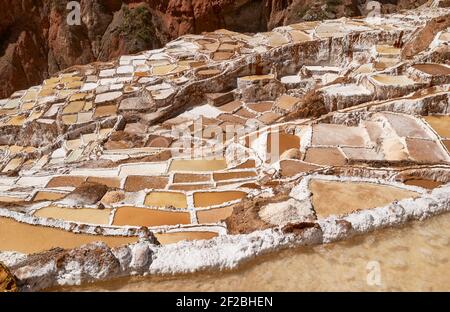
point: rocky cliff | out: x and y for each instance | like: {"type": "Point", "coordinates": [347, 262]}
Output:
{"type": "Point", "coordinates": [36, 41]}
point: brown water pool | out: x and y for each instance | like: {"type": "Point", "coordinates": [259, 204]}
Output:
{"type": "Point", "coordinates": [138, 183]}
{"type": "Point", "coordinates": [187, 177]}
{"type": "Point", "coordinates": [447, 144]}
{"type": "Point", "coordinates": [207, 73]}
{"type": "Point", "coordinates": [172, 238]}
{"type": "Point", "coordinates": [26, 238]}
{"type": "Point", "coordinates": [290, 168]}
{"type": "Point", "coordinates": [190, 187]}
{"type": "Point", "coordinates": [433, 69]}
{"type": "Point", "coordinates": [43, 195]}
{"type": "Point", "coordinates": [393, 80]}
{"type": "Point", "coordinates": [207, 199]}
{"type": "Point", "coordinates": [285, 142]}
{"type": "Point", "coordinates": [327, 156]}
{"type": "Point", "coordinates": [198, 165]}
{"type": "Point", "coordinates": [261, 107]}
{"type": "Point", "coordinates": [412, 258]}
{"type": "Point", "coordinates": [334, 197]}
{"type": "Point", "coordinates": [440, 124]}
{"type": "Point", "coordinates": [134, 216]}
{"type": "Point", "coordinates": [233, 175]}
{"type": "Point", "coordinates": [250, 163]}
{"type": "Point", "coordinates": [66, 181]}
{"type": "Point", "coordinates": [82, 215]}
{"type": "Point", "coordinates": [385, 49]}
{"type": "Point", "coordinates": [428, 184]}
{"type": "Point", "coordinates": [214, 215]}
{"type": "Point", "coordinates": [166, 199]}
{"type": "Point", "coordinates": [109, 182]}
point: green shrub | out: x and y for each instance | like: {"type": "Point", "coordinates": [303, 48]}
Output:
{"type": "Point", "coordinates": [137, 23]}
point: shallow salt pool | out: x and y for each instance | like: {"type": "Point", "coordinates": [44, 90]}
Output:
{"type": "Point", "coordinates": [335, 197]}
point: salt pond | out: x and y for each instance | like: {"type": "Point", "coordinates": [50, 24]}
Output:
{"type": "Point", "coordinates": [330, 197]}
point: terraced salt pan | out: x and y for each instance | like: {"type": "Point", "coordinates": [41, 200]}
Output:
{"type": "Point", "coordinates": [222, 56]}
{"type": "Point", "coordinates": [299, 36]}
{"type": "Point", "coordinates": [190, 187]}
{"type": "Point", "coordinates": [256, 78]}
{"type": "Point", "coordinates": [387, 50]}
{"type": "Point", "coordinates": [133, 216]}
{"type": "Point", "coordinates": [74, 107]}
{"type": "Point", "coordinates": [286, 102]}
{"type": "Point", "coordinates": [339, 96]}
{"type": "Point", "coordinates": [327, 156]}
{"type": "Point", "coordinates": [13, 164]}
{"type": "Point", "coordinates": [69, 119]}
{"type": "Point", "coordinates": [208, 199]}
{"type": "Point", "coordinates": [385, 62]}
{"type": "Point", "coordinates": [342, 135]}
{"type": "Point", "coordinates": [280, 142]}
{"type": "Point", "coordinates": [187, 177]}
{"type": "Point", "coordinates": [172, 238]}
{"type": "Point", "coordinates": [394, 149]}
{"type": "Point", "coordinates": [291, 80]}
{"type": "Point", "coordinates": [208, 73]}
{"type": "Point", "coordinates": [393, 80]}
{"type": "Point", "coordinates": [426, 151]}
{"type": "Point", "coordinates": [166, 199]}
{"type": "Point", "coordinates": [362, 154]}
{"type": "Point", "coordinates": [26, 238]}
{"type": "Point", "coordinates": [276, 39]}
{"type": "Point", "coordinates": [214, 215]}
{"type": "Point", "coordinates": [319, 70]}
{"type": "Point", "coordinates": [447, 144]}
{"type": "Point", "coordinates": [139, 183]}
{"type": "Point", "coordinates": [330, 29]}
{"type": "Point", "coordinates": [220, 176]}
{"type": "Point", "coordinates": [11, 199]}
{"type": "Point", "coordinates": [197, 165]}
{"type": "Point", "coordinates": [150, 169]}
{"type": "Point", "coordinates": [106, 110]}
{"type": "Point", "coordinates": [81, 215]}
{"type": "Point", "coordinates": [425, 183]}
{"type": "Point", "coordinates": [65, 181]}
{"type": "Point", "coordinates": [206, 110]}
{"type": "Point", "coordinates": [107, 97]}
{"type": "Point", "coordinates": [290, 168]}
{"type": "Point", "coordinates": [248, 164]}
{"type": "Point", "coordinates": [98, 172]}
{"type": "Point", "coordinates": [406, 126]}
{"type": "Point", "coordinates": [33, 180]}
{"type": "Point", "coordinates": [336, 198]}
{"type": "Point", "coordinates": [433, 69]}
{"type": "Point", "coordinates": [109, 182]}
{"type": "Point", "coordinates": [48, 196]}
{"type": "Point", "coordinates": [440, 124]}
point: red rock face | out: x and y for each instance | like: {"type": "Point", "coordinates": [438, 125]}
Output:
{"type": "Point", "coordinates": [36, 41]}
